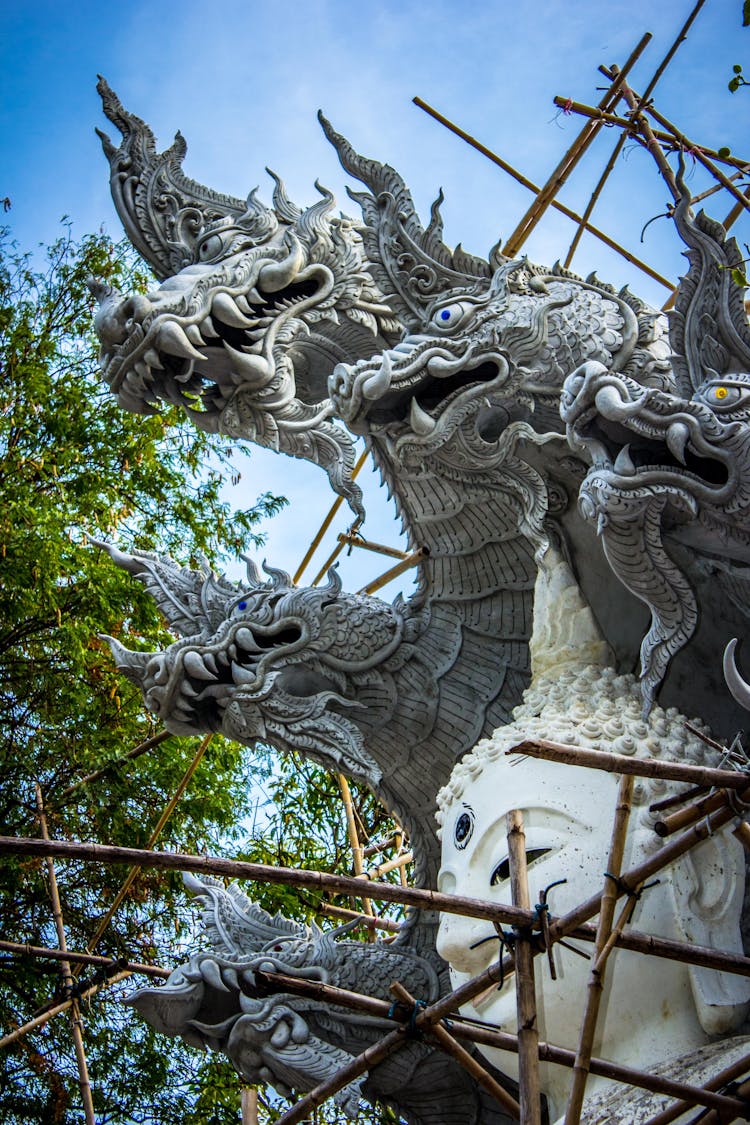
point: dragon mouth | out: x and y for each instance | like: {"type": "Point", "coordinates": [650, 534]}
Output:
{"type": "Point", "coordinates": [413, 383]}
{"type": "Point", "coordinates": [195, 687]}
{"type": "Point", "coordinates": [199, 362]}
{"type": "Point", "coordinates": [634, 455]}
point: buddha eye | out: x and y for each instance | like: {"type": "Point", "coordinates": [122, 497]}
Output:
{"type": "Point", "coordinates": [502, 871]}
{"type": "Point", "coordinates": [450, 316]}
{"type": "Point", "coordinates": [463, 829]}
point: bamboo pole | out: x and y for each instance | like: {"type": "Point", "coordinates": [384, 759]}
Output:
{"type": "Point", "coordinates": [354, 840]}
{"type": "Point", "coordinates": [528, 1029]}
{"type": "Point", "coordinates": [382, 845]}
{"type": "Point", "coordinates": [701, 156]}
{"type": "Point", "coordinates": [705, 776]}
{"type": "Point", "coordinates": [411, 560]}
{"type": "Point", "coordinates": [354, 539]}
{"type": "Point", "coordinates": [55, 1009]}
{"type": "Point", "coordinates": [399, 862]}
{"type": "Point", "coordinates": [733, 1072]}
{"type": "Point", "coordinates": [677, 799]}
{"type": "Point", "coordinates": [474, 1032]}
{"type": "Point", "coordinates": [631, 127]}
{"type": "Point", "coordinates": [326, 524]}
{"type": "Point", "coordinates": [463, 1058]}
{"type": "Point", "coordinates": [573, 924]}
{"type": "Point", "coordinates": [595, 988]}
{"type": "Point", "coordinates": [136, 752]}
{"type": "Point", "coordinates": [249, 1105]}
{"type": "Point", "coordinates": [399, 838]}
{"type": "Point", "coordinates": [25, 950]}
{"type": "Point", "coordinates": [623, 137]}
{"type": "Point", "coordinates": [675, 822]}
{"type": "Point", "coordinates": [531, 186]}
{"type": "Point", "coordinates": [372, 922]}
{"type": "Point", "coordinates": [568, 162]}
{"type": "Point", "coordinates": [135, 871]}
{"type": "Point", "coordinates": [66, 973]}
{"type": "Point", "coordinates": [742, 832]}
{"type": "Point", "coordinates": [366, 1061]}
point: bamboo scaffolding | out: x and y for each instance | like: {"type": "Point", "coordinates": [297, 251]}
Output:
{"type": "Point", "coordinates": [249, 1105]}
{"type": "Point", "coordinates": [463, 1058]}
{"type": "Point", "coordinates": [742, 832]}
{"type": "Point", "coordinates": [568, 162]}
{"type": "Point", "coordinates": [411, 560]}
{"type": "Point", "coordinates": [572, 925]}
{"type": "Point", "coordinates": [476, 1032]}
{"type": "Point", "coordinates": [66, 973]}
{"type": "Point", "coordinates": [55, 1009]}
{"type": "Point", "coordinates": [677, 799]}
{"type": "Point", "coordinates": [135, 871]}
{"type": "Point", "coordinates": [354, 539]}
{"type": "Point", "coordinates": [733, 1072]}
{"type": "Point", "coordinates": [371, 921]}
{"type": "Point", "coordinates": [136, 752]}
{"type": "Point", "coordinates": [23, 949]}
{"type": "Point", "coordinates": [632, 127]}
{"type": "Point", "coordinates": [596, 978]}
{"type": "Point", "coordinates": [528, 1031]}
{"type": "Point", "coordinates": [326, 524]}
{"type": "Point", "coordinates": [705, 776]}
{"type": "Point", "coordinates": [531, 186]}
{"type": "Point", "coordinates": [399, 862]}
{"type": "Point", "coordinates": [354, 840]}
{"type": "Point", "coordinates": [366, 1061]}
{"type": "Point", "coordinates": [623, 137]}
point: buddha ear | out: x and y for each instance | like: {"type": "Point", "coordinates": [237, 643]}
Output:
{"type": "Point", "coordinates": [708, 884]}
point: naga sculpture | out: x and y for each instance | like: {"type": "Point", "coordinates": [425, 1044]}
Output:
{"type": "Point", "coordinates": [296, 329]}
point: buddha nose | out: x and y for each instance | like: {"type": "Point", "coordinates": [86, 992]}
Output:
{"type": "Point", "coordinates": [458, 935]}
{"type": "Point", "coordinates": [458, 939]}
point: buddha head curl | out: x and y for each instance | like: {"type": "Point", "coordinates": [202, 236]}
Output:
{"type": "Point", "coordinates": [653, 1009]}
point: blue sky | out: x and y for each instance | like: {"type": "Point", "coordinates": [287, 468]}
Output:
{"type": "Point", "coordinates": [243, 82]}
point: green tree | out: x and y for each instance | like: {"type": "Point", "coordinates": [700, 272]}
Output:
{"type": "Point", "coordinates": [75, 467]}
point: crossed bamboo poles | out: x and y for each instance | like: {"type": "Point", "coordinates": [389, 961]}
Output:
{"type": "Point", "coordinates": [531, 938]}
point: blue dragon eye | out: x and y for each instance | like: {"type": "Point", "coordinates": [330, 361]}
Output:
{"type": "Point", "coordinates": [445, 314]}
{"type": "Point", "coordinates": [241, 605]}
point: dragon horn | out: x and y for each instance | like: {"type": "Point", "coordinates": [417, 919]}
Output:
{"type": "Point", "coordinates": [142, 178]}
{"type": "Point", "coordinates": [131, 664]}
{"type": "Point", "coordinates": [738, 687]}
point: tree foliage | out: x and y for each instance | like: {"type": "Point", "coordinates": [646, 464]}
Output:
{"type": "Point", "coordinates": [75, 468]}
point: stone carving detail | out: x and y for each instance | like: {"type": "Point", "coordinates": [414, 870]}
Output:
{"type": "Point", "coordinates": [568, 814]}
{"type": "Point", "coordinates": [673, 461]}
{"type": "Point", "coordinates": [512, 410]}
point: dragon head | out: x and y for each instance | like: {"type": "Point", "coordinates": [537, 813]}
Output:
{"type": "Point", "coordinates": [298, 668]}
{"type": "Point", "coordinates": [256, 304]}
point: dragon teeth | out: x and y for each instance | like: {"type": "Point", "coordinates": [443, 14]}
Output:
{"type": "Point", "coordinates": [421, 422]}
{"type": "Point", "coordinates": [244, 637]}
{"type": "Point", "coordinates": [194, 666]}
{"type": "Point", "coordinates": [227, 311]}
{"type": "Point", "coordinates": [192, 331]}
{"type": "Point", "coordinates": [151, 357]}
{"type": "Point", "coordinates": [624, 464]}
{"type": "Point", "coordinates": [210, 661]}
{"type": "Point", "coordinates": [253, 369]}
{"type": "Point", "coordinates": [207, 329]}
{"type": "Point", "coordinates": [677, 438]}
{"type": "Point", "coordinates": [378, 383]}
{"type": "Point", "coordinates": [241, 675]}
{"type": "Point", "coordinates": [172, 339]}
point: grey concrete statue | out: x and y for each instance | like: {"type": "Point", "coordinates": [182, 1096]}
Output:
{"type": "Point", "coordinates": [297, 328]}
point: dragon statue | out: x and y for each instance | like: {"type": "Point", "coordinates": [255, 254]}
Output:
{"type": "Point", "coordinates": [482, 388]}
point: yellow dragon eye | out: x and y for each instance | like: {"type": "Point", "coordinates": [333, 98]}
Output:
{"type": "Point", "coordinates": [721, 392]}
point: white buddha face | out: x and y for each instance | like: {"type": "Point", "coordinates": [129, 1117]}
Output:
{"type": "Point", "coordinates": [568, 814]}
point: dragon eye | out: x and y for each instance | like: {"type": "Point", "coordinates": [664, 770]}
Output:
{"type": "Point", "coordinates": [450, 315]}
{"type": "Point", "coordinates": [210, 247]}
{"type": "Point", "coordinates": [725, 396]}
{"type": "Point", "coordinates": [241, 605]}
{"type": "Point", "coordinates": [463, 829]}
